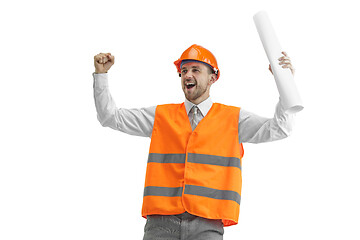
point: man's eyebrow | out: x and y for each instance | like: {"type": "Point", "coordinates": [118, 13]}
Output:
{"type": "Point", "coordinates": [191, 67]}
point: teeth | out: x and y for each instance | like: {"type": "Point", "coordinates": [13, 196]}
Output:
{"type": "Point", "coordinates": [188, 84]}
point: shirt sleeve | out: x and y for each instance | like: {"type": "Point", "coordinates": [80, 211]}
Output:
{"type": "Point", "coordinates": [136, 121]}
{"type": "Point", "coordinates": [257, 129]}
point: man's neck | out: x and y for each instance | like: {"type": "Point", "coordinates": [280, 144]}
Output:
{"type": "Point", "coordinates": [199, 100]}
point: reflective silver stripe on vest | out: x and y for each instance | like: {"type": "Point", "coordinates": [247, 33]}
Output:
{"type": "Point", "coordinates": [212, 193]}
{"type": "Point", "coordinates": [167, 158]}
{"type": "Point", "coordinates": [214, 160]}
{"type": "Point", "coordinates": [163, 191]}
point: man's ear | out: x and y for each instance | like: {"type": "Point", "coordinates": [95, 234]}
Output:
{"type": "Point", "coordinates": [213, 78]}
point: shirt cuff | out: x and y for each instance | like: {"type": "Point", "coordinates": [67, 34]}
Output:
{"type": "Point", "coordinates": [100, 79]}
{"type": "Point", "coordinates": [284, 120]}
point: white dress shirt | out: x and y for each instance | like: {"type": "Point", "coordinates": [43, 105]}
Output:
{"type": "Point", "coordinates": [140, 121]}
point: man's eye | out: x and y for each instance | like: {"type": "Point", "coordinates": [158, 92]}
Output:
{"type": "Point", "coordinates": [183, 71]}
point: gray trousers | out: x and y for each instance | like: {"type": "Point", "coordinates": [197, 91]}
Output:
{"type": "Point", "coordinates": [184, 226]}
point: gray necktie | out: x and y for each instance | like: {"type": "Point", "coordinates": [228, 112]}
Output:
{"type": "Point", "coordinates": [196, 117]}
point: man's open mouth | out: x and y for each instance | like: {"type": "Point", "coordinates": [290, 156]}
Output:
{"type": "Point", "coordinates": [189, 85]}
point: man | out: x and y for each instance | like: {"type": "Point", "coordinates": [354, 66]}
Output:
{"type": "Point", "coordinates": [193, 177]}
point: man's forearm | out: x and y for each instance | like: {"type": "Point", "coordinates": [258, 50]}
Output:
{"type": "Point", "coordinates": [105, 105]}
{"type": "Point", "coordinates": [137, 122]}
{"type": "Point", "coordinates": [256, 129]}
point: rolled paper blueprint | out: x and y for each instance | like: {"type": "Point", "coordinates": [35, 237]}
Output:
{"type": "Point", "coordinates": [284, 79]}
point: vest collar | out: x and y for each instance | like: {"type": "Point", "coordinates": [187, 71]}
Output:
{"type": "Point", "coordinates": [204, 106]}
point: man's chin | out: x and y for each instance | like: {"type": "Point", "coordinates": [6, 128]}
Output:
{"type": "Point", "coordinates": [191, 98]}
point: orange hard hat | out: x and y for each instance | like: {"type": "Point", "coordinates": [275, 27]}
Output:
{"type": "Point", "coordinates": [198, 53]}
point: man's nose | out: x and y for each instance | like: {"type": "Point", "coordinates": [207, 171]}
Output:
{"type": "Point", "coordinates": [188, 75]}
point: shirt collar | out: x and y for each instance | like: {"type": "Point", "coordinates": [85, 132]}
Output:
{"type": "Point", "coordinates": [204, 106]}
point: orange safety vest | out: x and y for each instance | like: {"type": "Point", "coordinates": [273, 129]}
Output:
{"type": "Point", "coordinates": [195, 171]}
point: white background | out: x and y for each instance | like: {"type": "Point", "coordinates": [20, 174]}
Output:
{"type": "Point", "coordinates": [63, 176]}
